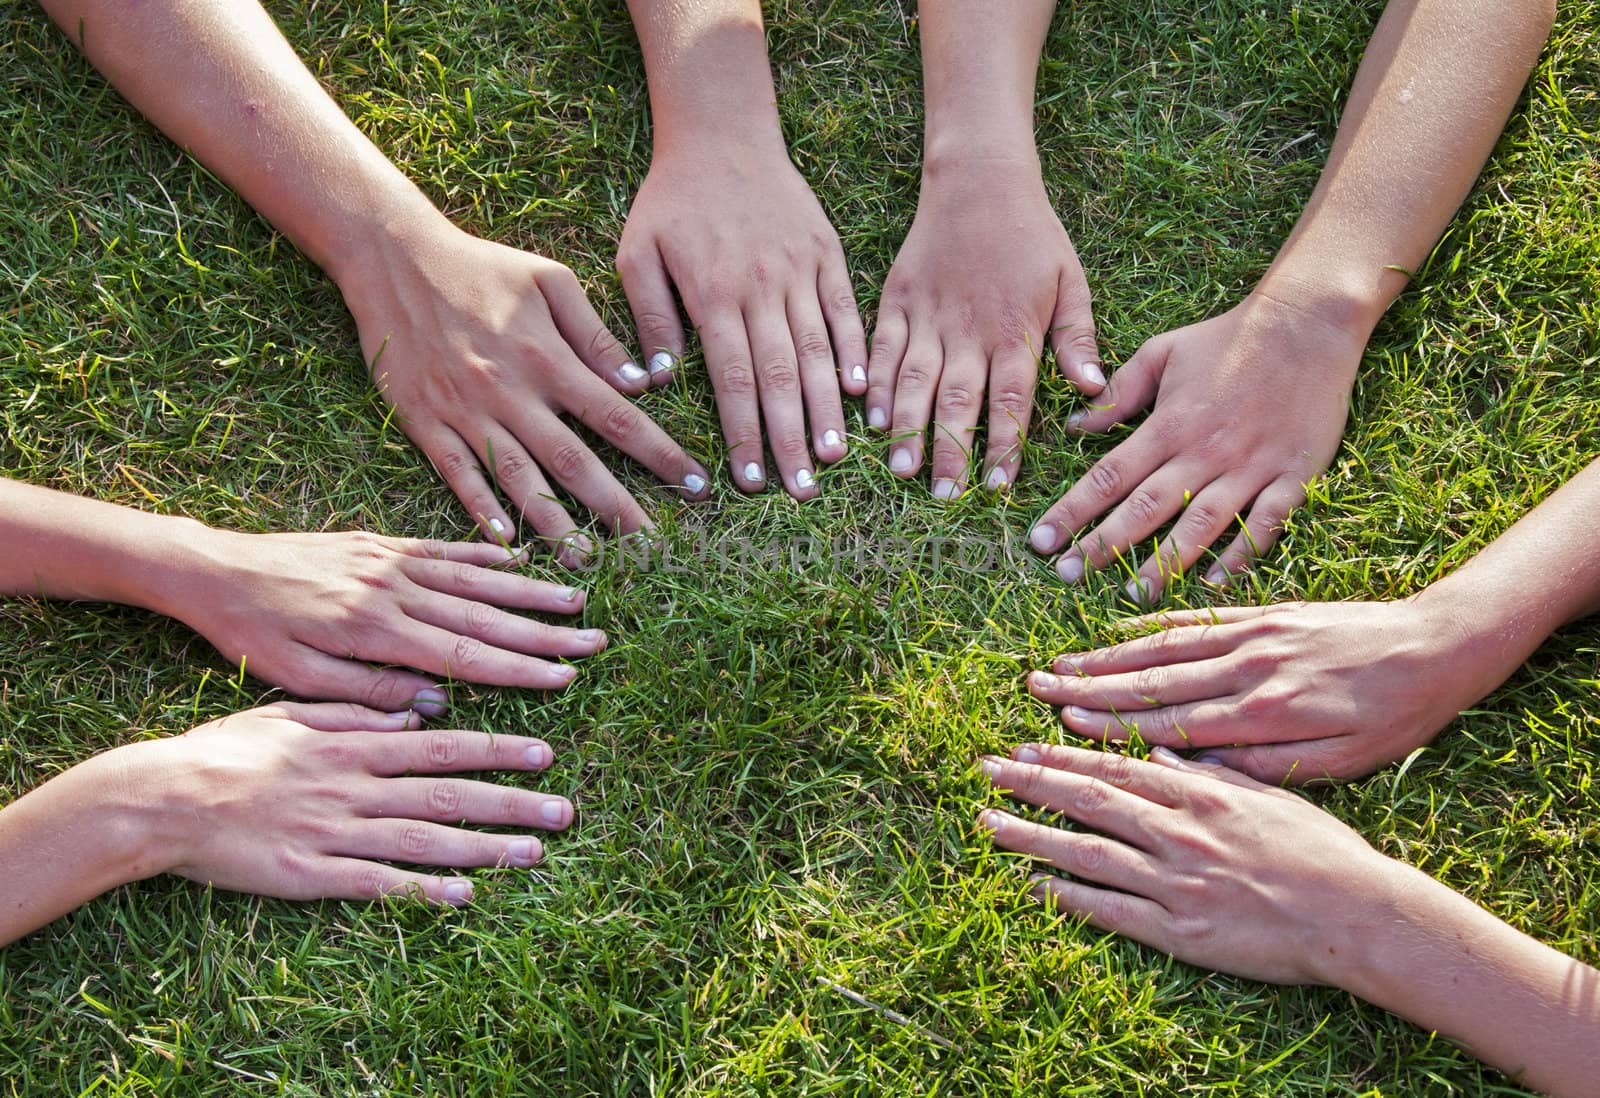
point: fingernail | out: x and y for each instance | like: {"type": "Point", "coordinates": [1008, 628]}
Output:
{"type": "Point", "coordinates": [1138, 590]}
{"type": "Point", "coordinates": [831, 438]}
{"type": "Point", "coordinates": [858, 374]}
{"type": "Point", "coordinates": [695, 483]}
{"type": "Point", "coordinates": [591, 636]}
{"type": "Point", "coordinates": [1043, 537]}
{"type": "Point", "coordinates": [998, 479]}
{"type": "Point", "coordinates": [566, 671]}
{"type": "Point", "coordinates": [1068, 663]}
{"type": "Point", "coordinates": [1070, 568]}
{"type": "Point", "coordinates": [1217, 576]}
{"type": "Point", "coordinates": [878, 418]}
{"type": "Point", "coordinates": [991, 820]}
{"type": "Point", "coordinates": [1163, 754]}
{"type": "Point", "coordinates": [457, 892]}
{"type": "Point", "coordinates": [524, 851]}
{"type": "Point", "coordinates": [803, 479]}
{"type": "Point", "coordinates": [538, 756]}
{"type": "Point", "coordinates": [1093, 373]}
{"type": "Point", "coordinates": [901, 461]}
{"type": "Point", "coordinates": [1075, 420]}
{"type": "Point", "coordinates": [1077, 712]}
{"type": "Point", "coordinates": [570, 594]}
{"type": "Point", "coordinates": [554, 812]}
{"type": "Point", "coordinates": [497, 526]}
{"type": "Point", "coordinates": [754, 475]}
{"type": "Point", "coordinates": [989, 767]}
{"type": "Point", "coordinates": [1026, 755]}
{"type": "Point", "coordinates": [403, 716]}
{"type": "Point", "coordinates": [631, 373]}
{"type": "Point", "coordinates": [1044, 681]}
{"type": "Point", "coordinates": [1209, 760]}
{"type": "Point", "coordinates": [661, 362]}
{"type": "Point", "coordinates": [432, 696]}
{"type": "Point", "coordinates": [946, 489]}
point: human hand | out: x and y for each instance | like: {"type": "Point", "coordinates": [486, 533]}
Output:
{"type": "Point", "coordinates": [308, 612]}
{"type": "Point", "coordinates": [762, 276]}
{"type": "Point", "coordinates": [1206, 864]}
{"type": "Point", "coordinates": [482, 349]}
{"type": "Point", "coordinates": [1311, 690]}
{"type": "Point", "coordinates": [985, 277]}
{"type": "Point", "coordinates": [1248, 408]}
{"type": "Point", "coordinates": [308, 801]}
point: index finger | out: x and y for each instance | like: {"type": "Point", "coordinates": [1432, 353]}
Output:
{"type": "Point", "coordinates": [620, 422]}
{"type": "Point", "coordinates": [1106, 484]}
{"type": "Point", "coordinates": [1152, 783]}
{"type": "Point", "coordinates": [446, 751]}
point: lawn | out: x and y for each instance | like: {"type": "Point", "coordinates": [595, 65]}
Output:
{"type": "Point", "coordinates": [774, 884]}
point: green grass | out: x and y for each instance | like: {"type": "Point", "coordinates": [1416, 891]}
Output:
{"type": "Point", "coordinates": [773, 765]}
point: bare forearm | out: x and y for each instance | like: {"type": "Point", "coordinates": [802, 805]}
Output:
{"type": "Point", "coordinates": [1451, 967]}
{"type": "Point", "coordinates": [706, 61]}
{"type": "Point", "coordinates": [219, 79]}
{"type": "Point", "coordinates": [980, 61]}
{"type": "Point", "coordinates": [1433, 92]}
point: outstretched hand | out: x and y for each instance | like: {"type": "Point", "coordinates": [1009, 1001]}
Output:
{"type": "Point", "coordinates": [1246, 409]}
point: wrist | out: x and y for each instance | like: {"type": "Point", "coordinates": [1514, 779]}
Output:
{"type": "Point", "coordinates": [160, 570]}
{"type": "Point", "coordinates": [960, 151]}
{"type": "Point", "coordinates": [1330, 300]}
{"type": "Point", "coordinates": [1491, 623]}
{"type": "Point", "coordinates": [388, 240]}
{"type": "Point", "coordinates": [117, 795]}
{"type": "Point", "coordinates": [1364, 946]}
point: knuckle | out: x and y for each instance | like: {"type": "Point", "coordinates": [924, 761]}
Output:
{"type": "Point", "coordinates": [455, 463]}
{"type": "Point", "coordinates": [603, 346]}
{"type": "Point", "coordinates": [621, 420]}
{"type": "Point", "coordinates": [379, 690]}
{"type": "Point", "coordinates": [813, 345]}
{"type": "Point", "coordinates": [481, 617]}
{"type": "Point", "coordinates": [465, 577]}
{"type": "Point", "coordinates": [511, 466]}
{"type": "Point", "coordinates": [842, 301]}
{"type": "Point", "coordinates": [567, 461]}
{"type": "Point", "coordinates": [955, 399]}
{"type": "Point", "coordinates": [792, 447]}
{"type": "Point", "coordinates": [444, 799]}
{"type": "Point", "coordinates": [466, 652]}
{"type": "Point", "coordinates": [1116, 770]}
{"type": "Point", "coordinates": [1091, 796]}
{"type": "Point", "coordinates": [916, 375]}
{"type": "Point", "coordinates": [779, 375]}
{"type": "Point", "coordinates": [1143, 506]}
{"type": "Point", "coordinates": [1200, 519]}
{"type": "Point", "coordinates": [1105, 480]}
{"type": "Point", "coordinates": [416, 841]}
{"type": "Point", "coordinates": [737, 379]}
{"type": "Point", "coordinates": [1091, 855]}
{"type": "Point", "coordinates": [1008, 400]}
{"type": "Point", "coordinates": [652, 321]}
{"type": "Point", "coordinates": [370, 881]}
{"type": "Point", "coordinates": [1150, 682]}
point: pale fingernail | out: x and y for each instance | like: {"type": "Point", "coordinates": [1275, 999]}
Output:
{"type": "Point", "coordinates": [946, 489]}
{"type": "Point", "coordinates": [754, 474]}
{"type": "Point", "coordinates": [1093, 374]}
{"type": "Point", "coordinates": [570, 594]}
{"type": "Point", "coordinates": [1209, 760]}
{"type": "Point", "coordinates": [431, 696]}
{"type": "Point", "coordinates": [457, 892]}
{"type": "Point", "coordinates": [1077, 712]}
{"type": "Point", "coordinates": [538, 756]}
{"type": "Point", "coordinates": [1026, 755]}
{"type": "Point", "coordinates": [1070, 568]}
{"type": "Point", "coordinates": [631, 373]}
{"type": "Point", "coordinates": [1044, 680]}
{"type": "Point", "coordinates": [858, 374]}
{"type": "Point", "coordinates": [1075, 420]}
{"type": "Point", "coordinates": [1159, 752]}
{"type": "Point", "coordinates": [403, 716]}
{"type": "Point", "coordinates": [1217, 576]}
{"type": "Point", "coordinates": [695, 483]}
{"type": "Point", "coordinates": [1043, 537]}
{"type": "Point", "coordinates": [901, 460]}
{"type": "Point", "coordinates": [878, 418]}
{"type": "Point", "coordinates": [525, 851]}
{"type": "Point", "coordinates": [989, 767]}
{"type": "Point", "coordinates": [991, 820]}
{"type": "Point", "coordinates": [1069, 663]}
{"type": "Point", "coordinates": [998, 480]}
{"type": "Point", "coordinates": [661, 362]}
{"type": "Point", "coordinates": [831, 439]}
{"type": "Point", "coordinates": [591, 636]}
{"type": "Point", "coordinates": [497, 526]}
{"type": "Point", "coordinates": [803, 479]}
{"type": "Point", "coordinates": [566, 671]}
{"type": "Point", "coordinates": [553, 812]}
{"type": "Point", "coordinates": [1138, 590]}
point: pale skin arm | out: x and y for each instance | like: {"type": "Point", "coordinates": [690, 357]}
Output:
{"type": "Point", "coordinates": [1311, 691]}
{"type": "Point", "coordinates": [987, 278]}
{"type": "Point", "coordinates": [1206, 864]}
{"type": "Point", "coordinates": [295, 801]}
{"type": "Point", "coordinates": [306, 612]}
{"type": "Point", "coordinates": [724, 220]}
{"type": "Point", "coordinates": [484, 350]}
{"type": "Point", "coordinates": [1249, 406]}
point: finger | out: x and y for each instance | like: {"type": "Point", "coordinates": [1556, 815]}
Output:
{"type": "Point", "coordinates": [1213, 768]}
{"type": "Point", "coordinates": [353, 879]}
{"type": "Point", "coordinates": [457, 463]}
{"type": "Point", "coordinates": [456, 800]}
{"type": "Point", "coordinates": [1177, 645]}
{"type": "Point", "coordinates": [1119, 912]}
{"type": "Point", "coordinates": [519, 477]}
{"type": "Point", "coordinates": [446, 751]}
{"type": "Point", "coordinates": [1144, 510]}
{"type": "Point", "coordinates": [782, 398]}
{"type": "Point", "coordinates": [1190, 725]}
{"type": "Point", "coordinates": [1097, 491]}
{"type": "Point", "coordinates": [571, 464]}
{"type": "Point", "coordinates": [626, 427]}
{"type": "Point", "coordinates": [469, 618]}
{"type": "Point", "coordinates": [475, 553]}
{"type": "Point", "coordinates": [1205, 518]}
{"type": "Point", "coordinates": [1090, 801]}
{"type": "Point", "coordinates": [727, 350]}
{"type": "Point", "coordinates": [1149, 688]}
{"type": "Point", "coordinates": [1092, 857]}
{"type": "Point", "coordinates": [655, 312]}
{"type": "Point", "coordinates": [421, 843]}
{"type": "Point", "coordinates": [1260, 533]}
{"type": "Point", "coordinates": [844, 321]}
{"type": "Point", "coordinates": [1303, 762]}
{"type": "Point", "coordinates": [341, 716]}
{"type": "Point", "coordinates": [1072, 334]}
{"type": "Point", "coordinates": [1131, 389]}
{"type": "Point", "coordinates": [441, 652]}
{"type": "Point", "coordinates": [311, 673]}
{"type": "Point", "coordinates": [1116, 771]}
{"type": "Point", "coordinates": [819, 378]}
{"type": "Point", "coordinates": [587, 335]}
{"type": "Point", "coordinates": [1213, 615]}
{"type": "Point", "coordinates": [916, 384]}
{"type": "Point", "coordinates": [957, 408]}
{"type": "Point", "coordinates": [889, 341]}
{"type": "Point", "coordinates": [1013, 373]}
{"type": "Point", "coordinates": [493, 587]}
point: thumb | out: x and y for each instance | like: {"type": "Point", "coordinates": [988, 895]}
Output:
{"type": "Point", "coordinates": [1131, 390]}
